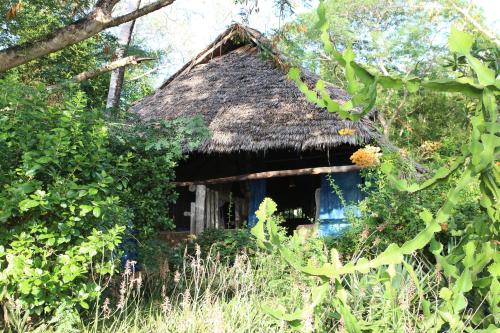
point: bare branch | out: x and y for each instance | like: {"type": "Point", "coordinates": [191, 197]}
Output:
{"type": "Point", "coordinates": [140, 76]}
{"type": "Point", "coordinates": [141, 12]}
{"type": "Point", "coordinates": [99, 19]}
{"type": "Point", "coordinates": [131, 60]}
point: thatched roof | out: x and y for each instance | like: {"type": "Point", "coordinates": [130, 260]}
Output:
{"type": "Point", "coordinates": [239, 85]}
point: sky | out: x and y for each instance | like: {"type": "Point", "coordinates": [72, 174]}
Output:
{"type": "Point", "coordinates": [186, 27]}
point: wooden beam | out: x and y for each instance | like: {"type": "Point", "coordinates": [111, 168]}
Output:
{"type": "Point", "coordinates": [272, 174]}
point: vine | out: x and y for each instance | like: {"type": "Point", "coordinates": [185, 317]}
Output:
{"type": "Point", "coordinates": [472, 268]}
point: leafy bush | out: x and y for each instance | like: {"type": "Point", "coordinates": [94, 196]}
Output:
{"type": "Point", "coordinates": [72, 187]}
{"type": "Point", "coordinates": [153, 153]}
{"type": "Point", "coordinates": [225, 243]}
{"type": "Point", "coordinates": [391, 216]}
{"type": "Point", "coordinates": [469, 262]}
{"type": "Point", "coordinates": [60, 212]}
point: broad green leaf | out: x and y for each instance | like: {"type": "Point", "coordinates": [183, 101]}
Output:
{"type": "Point", "coordinates": [25, 287]}
{"type": "Point", "coordinates": [464, 282]}
{"type": "Point", "coordinates": [445, 293]}
{"type": "Point", "coordinates": [494, 269]}
{"type": "Point", "coordinates": [96, 211]}
{"type": "Point", "coordinates": [485, 75]}
{"type": "Point", "coordinates": [26, 204]}
{"type": "Point", "coordinates": [84, 305]}
{"type": "Point", "coordinates": [390, 82]}
{"type": "Point", "coordinates": [84, 209]}
{"type": "Point", "coordinates": [459, 41]}
{"type": "Point", "coordinates": [453, 86]}
{"type": "Point", "coordinates": [469, 249]}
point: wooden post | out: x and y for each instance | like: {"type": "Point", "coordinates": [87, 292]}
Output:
{"type": "Point", "coordinates": [317, 195]}
{"type": "Point", "coordinates": [216, 211]}
{"type": "Point", "coordinates": [237, 212]}
{"type": "Point", "coordinates": [192, 221]}
{"type": "Point", "coordinates": [208, 208]}
{"type": "Point", "coordinates": [201, 191]}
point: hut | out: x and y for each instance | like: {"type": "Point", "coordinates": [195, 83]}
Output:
{"type": "Point", "coordinates": [265, 139]}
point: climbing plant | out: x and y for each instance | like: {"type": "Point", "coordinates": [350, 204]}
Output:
{"type": "Point", "coordinates": [472, 266]}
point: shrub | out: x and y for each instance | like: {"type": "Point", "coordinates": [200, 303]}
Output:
{"type": "Point", "coordinates": [72, 186]}
{"type": "Point", "coordinates": [391, 216]}
{"type": "Point", "coordinates": [225, 243]}
{"type": "Point", "coordinates": [60, 213]}
{"type": "Point", "coordinates": [153, 153]}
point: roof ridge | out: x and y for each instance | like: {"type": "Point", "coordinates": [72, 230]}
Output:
{"type": "Point", "coordinates": [252, 34]}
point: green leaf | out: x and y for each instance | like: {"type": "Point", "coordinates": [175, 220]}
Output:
{"type": "Point", "coordinates": [459, 41]}
{"type": "Point", "coordinates": [464, 282]}
{"type": "Point", "coordinates": [84, 209]}
{"type": "Point", "coordinates": [84, 305]}
{"type": "Point", "coordinates": [26, 188]}
{"type": "Point", "coordinates": [485, 75]}
{"type": "Point", "coordinates": [294, 73]}
{"type": "Point", "coordinates": [494, 269]}
{"type": "Point", "coordinates": [445, 293]}
{"type": "Point", "coordinates": [350, 321]}
{"type": "Point", "coordinates": [390, 82]}
{"type": "Point", "coordinates": [26, 204]}
{"type": "Point", "coordinates": [25, 287]}
{"type": "Point", "coordinates": [468, 89]}
{"type": "Point", "coordinates": [96, 211]}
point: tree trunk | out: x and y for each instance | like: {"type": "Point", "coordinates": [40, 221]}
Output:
{"type": "Point", "coordinates": [99, 19]}
{"type": "Point", "coordinates": [118, 75]}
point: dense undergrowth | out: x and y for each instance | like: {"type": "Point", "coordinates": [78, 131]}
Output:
{"type": "Point", "coordinates": [209, 294]}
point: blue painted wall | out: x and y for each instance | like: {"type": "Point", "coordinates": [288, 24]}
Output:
{"type": "Point", "coordinates": [257, 195]}
{"type": "Point", "coordinates": [332, 213]}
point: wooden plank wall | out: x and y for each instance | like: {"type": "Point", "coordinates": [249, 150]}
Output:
{"type": "Point", "coordinates": [212, 204]}
{"type": "Point", "coordinates": [205, 211]}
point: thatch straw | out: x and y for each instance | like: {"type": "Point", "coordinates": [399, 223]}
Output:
{"type": "Point", "coordinates": [238, 85]}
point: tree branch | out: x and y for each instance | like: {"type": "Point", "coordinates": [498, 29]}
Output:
{"type": "Point", "coordinates": [140, 76]}
{"type": "Point", "coordinates": [490, 34]}
{"type": "Point", "coordinates": [141, 12]}
{"type": "Point", "coordinates": [99, 19]}
{"type": "Point", "coordinates": [131, 60]}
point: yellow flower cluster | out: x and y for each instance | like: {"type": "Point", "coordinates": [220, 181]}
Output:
{"type": "Point", "coordinates": [430, 147]}
{"type": "Point", "coordinates": [347, 131]}
{"type": "Point", "coordinates": [404, 152]}
{"type": "Point", "coordinates": [367, 157]}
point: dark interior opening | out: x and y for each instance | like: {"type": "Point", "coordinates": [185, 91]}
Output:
{"type": "Point", "coordinates": [295, 199]}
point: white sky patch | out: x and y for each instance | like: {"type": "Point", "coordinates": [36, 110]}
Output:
{"type": "Point", "coordinates": [186, 27]}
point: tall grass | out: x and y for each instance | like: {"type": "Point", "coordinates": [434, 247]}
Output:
{"type": "Point", "coordinates": [206, 295]}
{"type": "Point", "coordinates": [209, 295]}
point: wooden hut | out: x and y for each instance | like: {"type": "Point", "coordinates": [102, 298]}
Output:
{"type": "Point", "coordinates": [266, 138]}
